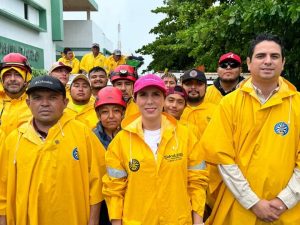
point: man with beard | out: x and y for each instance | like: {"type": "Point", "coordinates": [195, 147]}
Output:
{"type": "Point", "coordinates": [98, 78]}
{"type": "Point", "coordinates": [197, 111]}
{"type": "Point", "coordinates": [229, 71]}
{"type": "Point", "coordinates": [81, 106]}
{"type": "Point", "coordinates": [123, 78]}
{"type": "Point", "coordinates": [15, 73]}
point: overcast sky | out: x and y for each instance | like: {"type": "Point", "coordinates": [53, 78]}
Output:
{"type": "Point", "coordinates": [135, 18]}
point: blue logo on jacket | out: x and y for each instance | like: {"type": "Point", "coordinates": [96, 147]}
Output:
{"type": "Point", "coordinates": [75, 154]}
{"type": "Point", "coordinates": [281, 128]}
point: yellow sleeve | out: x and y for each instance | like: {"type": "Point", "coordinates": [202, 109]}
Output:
{"type": "Point", "coordinates": [115, 180]}
{"type": "Point", "coordinates": [217, 139]}
{"type": "Point", "coordinates": [3, 173]}
{"type": "Point", "coordinates": [83, 63]}
{"type": "Point", "coordinates": [96, 168]}
{"type": "Point", "coordinates": [76, 64]}
{"type": "Point", "coordinates": [298, 156]}
{"type": "Point", "coordinates": [107, 66]}
{"type": "Point", "coordinates": [197, 177]}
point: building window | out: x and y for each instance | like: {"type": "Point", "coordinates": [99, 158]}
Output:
{"type": "Point", "coordinates": [26, 11]}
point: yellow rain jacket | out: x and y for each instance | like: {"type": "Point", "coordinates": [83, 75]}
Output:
{"type": "Point", "coordinates": [111, 63]}
{"type": "Point", "coordinates": [131, 108]}
{"type": "Point", "coordinates": [141, 190]}
{"type": "Point", "coordinates": [263, 140]}
{"type": "Point", "coordinates": [199, 115]}
{"type": "Point", "coordinates": [2, 168]}
{"type": "Point", "coordinates": [87, 116]}
{"type": "Point", "coordinates": [13, 112]}
{"type": "Point", "coordinates": [213, 95]}
{"type": "Point", "coordinates": [53, 181]}
{"type": "Point", "coordinates": [74, 63]}
{"type": "Point", "coordinates": [88, 61]}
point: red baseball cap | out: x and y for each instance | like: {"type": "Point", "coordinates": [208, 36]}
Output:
{"type": "Point", "coordinates": [178, 90]}
{"type": "Point", "coordinates": [230, 56]}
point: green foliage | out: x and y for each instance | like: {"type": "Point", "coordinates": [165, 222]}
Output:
{"type": "Point", "coordinates": [38, 72]}
{"type": "Point", "coordinates": [198, 32]}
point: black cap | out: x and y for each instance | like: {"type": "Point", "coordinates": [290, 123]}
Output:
{"type": "Point", "coordinates": [193, 74]}
{"type": "Point", "coordinates": [46, 82]}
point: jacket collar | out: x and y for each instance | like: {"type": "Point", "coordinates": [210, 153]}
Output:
{"type": "Point", "coordinates": [27, 130]}
{"type": "Point", "coordinates": [133, 124]}
{"type": "Point", "coordinates": [286, 89]}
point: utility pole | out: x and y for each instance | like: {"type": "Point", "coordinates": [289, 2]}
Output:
{"type": "Point", "coordinates": [119, 36]}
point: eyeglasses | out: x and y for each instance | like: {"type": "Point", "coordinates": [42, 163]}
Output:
{"type": "Point", "coordinates": [231, 64]}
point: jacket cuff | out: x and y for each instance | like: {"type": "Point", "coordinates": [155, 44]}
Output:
{"type": "Point", "coordinates": [2, 212]}
{"type": "Point", "coordinates": [249, 199]}
{"type": "Point", "coordinates": [115, 207]}
{"type": "Point", "coordinates": [288, 198]}
{"type": "Point", "coordinates": [238, 185]}
{"type": "Point", "coordinates": [291, 194]}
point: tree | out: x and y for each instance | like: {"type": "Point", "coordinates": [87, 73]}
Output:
{"type": "Point", "coordinates": [215, 29]}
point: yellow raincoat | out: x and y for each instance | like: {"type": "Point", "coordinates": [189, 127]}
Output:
{"type": "Point", "coordinates": [111, 63]}
{"type": "Point", "coordinates": [199, 115]}
{"type": "Point", "coordinates": [13, 112]}
{"type": "Point", "coordinates": [74, 63]}
{"type": "Point", "coordinates": [213, 95]}
{"type": "Point", "coordinates": [263, 140]}
{"type": "Point", "coordinates": [88, 61]}
{"type": "Point", "coordinates": [87, 116]}
{"type": "Point", "coordinates": [53, 181]}
{"type": "Point", "coordinates": [131, 108]}
{"type": "Point", "coordinates": [2, 168]}
{"type": "Point", "coordinates": [141, 190]}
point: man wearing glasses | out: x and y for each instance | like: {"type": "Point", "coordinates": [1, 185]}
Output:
{"type": "Point", "coordinates": [229, 71]}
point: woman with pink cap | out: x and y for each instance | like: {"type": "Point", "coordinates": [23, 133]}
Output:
{"type": "Point", "coordinates": [155, 172]}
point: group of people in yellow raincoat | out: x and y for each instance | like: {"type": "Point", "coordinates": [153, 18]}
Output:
{"type": "Point", "coordinates": [156, 166]}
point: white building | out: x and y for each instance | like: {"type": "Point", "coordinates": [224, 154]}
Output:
{"type": "Point", "coordinates": [37, 30]}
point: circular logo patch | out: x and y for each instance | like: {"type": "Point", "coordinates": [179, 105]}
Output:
{"type": "Point", "coordinates": [75, 154]}
{"type": "Point", "coordinates": [281, 128]}
{"type": "Point", "coordinates": [134, 165]}
{"type": "Point", "coordinates": [193, 73]}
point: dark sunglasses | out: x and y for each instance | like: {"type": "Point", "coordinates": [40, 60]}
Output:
{"type": "Point", "coordinates": [231, 64]}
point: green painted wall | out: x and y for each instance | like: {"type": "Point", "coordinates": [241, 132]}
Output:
{"type": "Point", "coordinates": [34, 55]}
{"type": "Point", "coordinates": [57, 20]}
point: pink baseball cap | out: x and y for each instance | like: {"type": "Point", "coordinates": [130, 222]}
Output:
{"type": "Point", "coordinates": [230, 56]}
{"type": "Point", "coordinates": [149, 80]}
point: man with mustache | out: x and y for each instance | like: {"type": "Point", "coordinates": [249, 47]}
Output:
{"type": "Point", "coordinates": [123, 77]}
{"type": "Point", "coordinates": [15, 73]}
{"type": "Point", "coordinates": [98, 78]}
{"type": "Point", "coordinates": [197, 111]}
{"type": "Point", "coordinates": [229, 72]}
{"type": "Point", "coordinates": [53, 164]}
